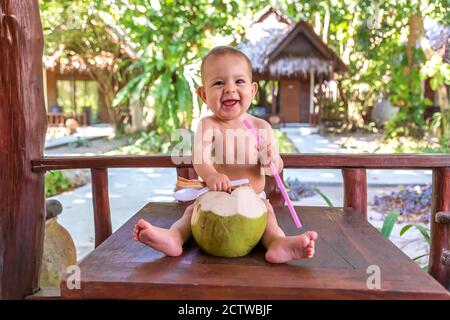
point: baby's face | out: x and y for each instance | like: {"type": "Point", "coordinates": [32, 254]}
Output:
{"type": "Point", "coordinates": [227, 88]}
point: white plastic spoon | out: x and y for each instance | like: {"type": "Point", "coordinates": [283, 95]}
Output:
{"type": "Point", "coordinates": [188, 194]}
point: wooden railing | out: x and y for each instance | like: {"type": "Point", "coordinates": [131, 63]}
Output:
{"type": "Point", "coordinates": [59, 118]}
{"type": "Point", "coordinates": [354, 177]}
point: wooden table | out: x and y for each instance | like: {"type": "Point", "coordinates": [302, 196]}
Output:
{"type": "Point", "coordinates": [121, 268]}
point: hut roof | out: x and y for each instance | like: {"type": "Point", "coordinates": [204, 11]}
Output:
{"type": "Point", "coordinates": [67, 62]}
{"type": "Point", "coordinates": [73, 63]}
{"type": "Point", "coordinates": [278, 47]}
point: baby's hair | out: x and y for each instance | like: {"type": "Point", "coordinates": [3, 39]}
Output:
{"type": "Point", "coordinates": [222, 51]}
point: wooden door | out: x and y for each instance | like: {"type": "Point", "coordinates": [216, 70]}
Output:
{"type": "Point", "coordinates": [294, 100]}
{"type": "Point", "coordinates": [304, 101]}
{"type": "Point", "coordinates": [290, 100]}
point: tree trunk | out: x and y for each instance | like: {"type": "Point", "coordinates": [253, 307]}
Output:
{"type": "Point", "coordinates": [326, 25]}
{"type": "Point", "coordinates": [354, 117]}
{"type": "Point", "coordinates": [317, 23]}
{"type": "Point", "coordinates": [442, 98]}
{"type": "Point", "coordinates": [22, 134]}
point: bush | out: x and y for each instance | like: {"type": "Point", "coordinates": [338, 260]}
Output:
{"type": "Point", "coordinates": [55, 183]}
{"type": "Point", "coordinates": [285, 145]}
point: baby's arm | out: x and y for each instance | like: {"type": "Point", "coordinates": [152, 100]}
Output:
{"type": "Point", "coordinates": [201, 157]}
{"type": "Point", "coordinates": [268, 150]}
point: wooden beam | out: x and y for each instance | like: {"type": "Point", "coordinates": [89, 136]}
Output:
{"type": "Point", "coordinates": [311, 92]}
{"type": "Point", "coordinates": [440, 229]}
{"type": "Point", "coordinates": [332, 161]}
{"type": "Point", "coordinates": [100, 201]}
{"type": "Point", "coordinates": [23, 126]}
{"type": "Point", "coordinates": [355, 190]}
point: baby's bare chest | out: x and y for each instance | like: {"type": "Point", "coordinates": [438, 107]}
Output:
{"type": "Point", "coordinates": [234, 146]}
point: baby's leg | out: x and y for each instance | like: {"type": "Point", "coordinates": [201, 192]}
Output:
{"type": "Point", "coordinates": [281, 249]}
{"type": "Point", "coordinates": [169, 241]}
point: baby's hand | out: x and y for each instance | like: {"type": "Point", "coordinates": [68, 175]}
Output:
{"type": "Point", "coordinates": [266, 153]}
{"type": "Point", "coordinates": [218, 182]}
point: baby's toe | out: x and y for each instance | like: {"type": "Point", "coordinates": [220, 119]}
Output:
{"type": "Point", "coordinates": [312, 235]}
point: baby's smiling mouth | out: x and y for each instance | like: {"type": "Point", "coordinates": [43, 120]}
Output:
{"type": "Point", "coordinates": [229, 103]}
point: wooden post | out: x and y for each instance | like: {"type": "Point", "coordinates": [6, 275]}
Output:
{"type": "Point", "coordinates": [274, 102]}
{"type": "Point", "coordinates": [440, 227]}
{"type": "Point", "coordinates": [355, 190]}
{"type": "Point", "coordinates": [187, 173]}
{"type": "Point", "coordinates": [22, 135]}
{"type": "Point", "coordinates": [312, 115]}
{"type": "Point", "coordinates": [272, 191]}
{"type": "Point", "coordinates": [100, 200]}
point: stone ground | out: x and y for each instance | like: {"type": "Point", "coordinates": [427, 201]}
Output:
{"type": "Point", "coordinates": [131, 189]}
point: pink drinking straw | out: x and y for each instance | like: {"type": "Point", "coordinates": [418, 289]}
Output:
{"type": "Point", "coordinates": [274, 170]}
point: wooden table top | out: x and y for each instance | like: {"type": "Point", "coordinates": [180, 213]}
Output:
{"type": "Point", "coordinates": [121, 268]}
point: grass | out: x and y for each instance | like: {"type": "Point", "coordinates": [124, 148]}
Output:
{"type": "Point", "coordinates": [285, 144]}
{"type": "Point", "coordinates": [56, 183]}
{"type": "Point", "coordinates": [377, 143]}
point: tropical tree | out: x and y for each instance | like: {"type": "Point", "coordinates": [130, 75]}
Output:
{"type": "Point", "coordinates": [171, 37]}
{"type": "Point", "coordinates": [377, 40]}
{"type": "Point", "coordinates": [79, 28]}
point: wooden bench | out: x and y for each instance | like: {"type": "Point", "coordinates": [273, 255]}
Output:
{"type": "Point", "coordinates": [59, 118]}
{"type": "Point", "coordinates": [56, 119]}
{"type": "Point", "coordinates": [347, 249]}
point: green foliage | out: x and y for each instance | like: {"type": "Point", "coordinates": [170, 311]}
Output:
{"type": "Point", "coordinates": [85, 32]}
{"type": "Point", "coordinates": [147, 143]}
{"type": "Point", "coordinates": [444, 149]}
{"type": "Point", "coordinates": [79, 142]}
{"type": "Point", "coordinates": [388, 224]}
{"type": "Point", "coordinates": [285, 145]}
{"type": "Point", "coordinates": [425, 232]}
{"type": "Point", "coordinates": [406, 92]}
{"type": "Point", "coordinates": [171, 37]}
{"type": "Point", "coordinates": [437, 70]}
{"type": "Point", "coordinates": [370, 37]}
{"type": "Point", "coordinates": [55, 183]}
{"type": "Point", "coordinates": [324, 197]}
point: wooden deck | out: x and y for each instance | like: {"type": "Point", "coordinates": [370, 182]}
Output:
{"type": "Point", "coordinates": [121, 268]}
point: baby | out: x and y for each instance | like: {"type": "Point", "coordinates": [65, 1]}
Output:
{"type": "Point", "coordinates": [227, 89]}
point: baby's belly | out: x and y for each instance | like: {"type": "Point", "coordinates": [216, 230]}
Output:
{"type": "Point", "coordinates": [251, 172]}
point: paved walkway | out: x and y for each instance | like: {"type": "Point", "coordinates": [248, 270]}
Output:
{"type": "Point", "coordinates": [307, 140]}
{"type": "Point", "coordinates": [87, 133]}
{"type": "Point", "coordinates": [131, 189]}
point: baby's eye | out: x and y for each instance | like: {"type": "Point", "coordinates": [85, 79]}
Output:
{"type": "Point", "coordinates": [240, 81]}
{"type": "Point", "coordinates": [218, 83]}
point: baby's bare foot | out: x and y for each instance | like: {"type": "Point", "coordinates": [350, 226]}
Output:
{"type": "Point", "coordinates": [164, 240]}
{"type": "Point", "coordinates": [285, 249]}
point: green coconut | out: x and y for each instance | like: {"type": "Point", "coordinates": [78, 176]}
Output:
{"type": "Point", "coordinates": [229, 225]}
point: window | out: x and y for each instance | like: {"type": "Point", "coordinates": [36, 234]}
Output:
{"type": "Point", "coordinates": [74, 95]}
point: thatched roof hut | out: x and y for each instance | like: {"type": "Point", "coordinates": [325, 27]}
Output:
{"type": "Point", "coordinates": [71, 79]}
{"type": "Point", "coordinates": [278, 47]}
{"type": "Point", "coordinates": [294, 56]}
